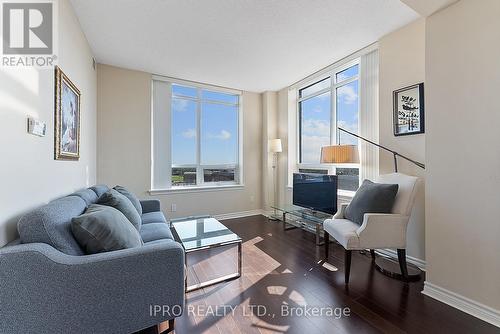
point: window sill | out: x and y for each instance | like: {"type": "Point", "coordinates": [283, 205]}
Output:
{"type": "Point", "coordinates": [182, 190]}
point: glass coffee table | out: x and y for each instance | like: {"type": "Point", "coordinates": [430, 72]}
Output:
{"type": "Point", "coordinates": [202, 233]}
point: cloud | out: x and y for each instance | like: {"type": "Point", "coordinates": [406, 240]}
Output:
{"type": "Point", "coordinates": [353, 127]}
{"type": "Point", "coordinates": [311, 147]}
{"type": "Point", "coordinates": [316, 127]}
{"type": "Point", "coordinates": [347, 94]}
{"type": "Point", "coordinates": [319, 110]}
{"type": "Point", "coordinates": [341, 76]}
{"type": "Point", "coordinates": [222, 135]}
{"type": "Point", "coordinates": [179, 104]}
{"type": "Point", "coordinates": [316, 134]}
{"type": "Point", "coordinates": [189, 133]}
{"type": "Point", "coordinates": [346, 138]}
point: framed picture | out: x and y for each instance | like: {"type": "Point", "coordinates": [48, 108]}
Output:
{"type": "Point", "coordinates": [408, 106]}
{"type": "Point", "coordinates": [67, 118]}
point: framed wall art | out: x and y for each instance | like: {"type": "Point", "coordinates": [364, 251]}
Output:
{"type": "Point", "coordinates": [408, 107]}
{"type": "Point", "coordinates": [67, 118]}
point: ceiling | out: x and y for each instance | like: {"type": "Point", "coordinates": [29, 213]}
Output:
{"type": "Point", "coordinates": [428, 7]}
{"type": "Point", "coordinates": [250, 45]}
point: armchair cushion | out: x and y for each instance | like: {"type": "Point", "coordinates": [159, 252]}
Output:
{"type": "Point", "coordinates": [131, 197]}
{"type": "Point", "coordinates": [371, 198]}
{"type": "Point", "coordinates": [341, 211]}
{"type": "Point", "coordinates": [103, 229]}
{"type": "Point", "coordinates": [344, 231]}
{"type": "Point", "coordinates": [118, 201]}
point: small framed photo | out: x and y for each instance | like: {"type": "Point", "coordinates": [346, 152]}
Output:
{"type": "Point", "coordinates": [67, 118]}
{"type": "Point", "coordinates": [408, 106]}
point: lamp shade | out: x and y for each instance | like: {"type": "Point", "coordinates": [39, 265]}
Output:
{"type": "Point", "coordinates": [340, 154]}
{"type": "Point", "coordinates": [275, 146]}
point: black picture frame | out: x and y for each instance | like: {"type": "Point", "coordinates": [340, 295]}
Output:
{"type": "Point", "coordinates": [408, 119]}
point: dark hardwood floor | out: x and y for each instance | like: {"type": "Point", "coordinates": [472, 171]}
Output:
{"type": "Point", "coordinates": [286, 268]}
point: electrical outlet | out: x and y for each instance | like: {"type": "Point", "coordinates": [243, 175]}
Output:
{"type": "Point", "coordinates": [252, 198]}
{"type": "Point", "coordinates": [174, 207]}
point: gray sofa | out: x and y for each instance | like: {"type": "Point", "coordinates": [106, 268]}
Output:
{"type": "Point", "coordinates": [48, 284]}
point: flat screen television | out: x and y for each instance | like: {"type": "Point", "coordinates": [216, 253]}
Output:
{"type": "Point", "coordinates": [317, 192]}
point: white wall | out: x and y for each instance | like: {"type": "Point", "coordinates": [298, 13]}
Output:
{"type": "Point", "coordinates": [462, 150]}
{"type": "Point", "coordinates": [401, 64]}
{"type": "Point", "coordinates": [29, 175]}
{"type": "Point", "coordinates": [124, 146]}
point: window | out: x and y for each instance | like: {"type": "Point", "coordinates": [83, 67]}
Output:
{"type": "Point", "coordinates": [313, 171]}
{"type": "Point", "coordinates": [324, 106]}
{"type": "Point", "coordinates": [205, 136]}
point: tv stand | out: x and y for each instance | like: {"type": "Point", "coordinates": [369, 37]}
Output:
{"type": "Point", "coordinates": [296, 217]}
{"type": "Point", "coordinates": [317, 214]}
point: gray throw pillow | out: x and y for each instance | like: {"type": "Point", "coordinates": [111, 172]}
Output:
{"type": "Point", "coordinates": [132, 198]}
{"type": "Point", "coordinates": [371, 198]}
{"type": "Point", "coordinates": [116, 200]}
{"type": "Point", "coordinates": [103, 229]}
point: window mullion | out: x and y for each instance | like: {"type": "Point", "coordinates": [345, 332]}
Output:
{"type": "Point", "coordinates": [199, 171]}
{"type": "Point", "coordinates": [333, 115]}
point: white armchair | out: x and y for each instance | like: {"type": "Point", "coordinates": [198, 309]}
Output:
{"type": "Point", "coordinates": [378, 230]}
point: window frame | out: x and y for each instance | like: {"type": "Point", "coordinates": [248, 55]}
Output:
{"type": "Point", "coordinates": [334, 133]}
{"type": "Point", "coordinates": [238, 166]}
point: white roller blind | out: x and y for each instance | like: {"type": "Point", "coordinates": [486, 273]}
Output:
{"type": "Point", "coordinates": [368, 115]}
{"type": "Point", "coordinates": [161, 166]}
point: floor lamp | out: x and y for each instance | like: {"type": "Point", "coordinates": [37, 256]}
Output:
{"type": "Point", "coordinates": [275, 148]}
{"type": "Point", "coordinates": [349, 154]}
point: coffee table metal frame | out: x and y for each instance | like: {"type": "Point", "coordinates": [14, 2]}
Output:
{"type": "Point", "coordinates": [217, 280]}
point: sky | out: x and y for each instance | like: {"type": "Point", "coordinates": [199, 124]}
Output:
{"type": "Point", "coordinates": [219, 128]}
{"type": "Point", "coordinates": [316, 116]}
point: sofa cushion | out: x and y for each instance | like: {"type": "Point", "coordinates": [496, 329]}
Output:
{"type": "Point", "coordinates": [371, 198]}
{"type": "Point", "coordinates": [155, 231]}
{"type": "Point", "coordinates": [116, 200]}
{"type": "Point", "coordinates": [102, 229]}
{"type": "Point", "coordinates": [158, 241]}
{"type": "Point", "coordinates": [132, 198]}
{"type": "Point", "coordinates": [153, 217]}
{"type": "Point", "coordinates": [99, 189]}
{"type": "Point", "coordinates": [51, 224]}
{"type": "Point", "coordinates": [88, 195]}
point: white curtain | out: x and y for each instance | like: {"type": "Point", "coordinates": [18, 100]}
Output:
{"type": "Point", "coordinates": [368, 115]}
{"type": "Point", "coordinates": [161, 166]}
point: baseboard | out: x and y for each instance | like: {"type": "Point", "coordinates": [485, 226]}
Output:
{"type": "Point", "coordinates": [462, 303]}
{"type": "Point", "coordinates": [240, 214]}
{"type": "Point", "coordinates": [410, 259]}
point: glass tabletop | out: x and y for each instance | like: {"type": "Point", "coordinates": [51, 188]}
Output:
{"type": "Point", "coordinates": [312, 216]}
{"type": "Point", "coordinates": [203, 232]}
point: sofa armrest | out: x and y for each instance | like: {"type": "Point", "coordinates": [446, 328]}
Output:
{"type": "Point", "coordinates": [381, 230]}
{"type": "Point", "coordinates": [150, 205]}
{"type": "Point", "coordinates": [341, 211]}
{"type": "Point", "coordinates": [114, 292]}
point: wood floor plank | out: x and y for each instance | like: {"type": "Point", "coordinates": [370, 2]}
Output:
{"type": "Point", "coordinates": [287, 268]}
